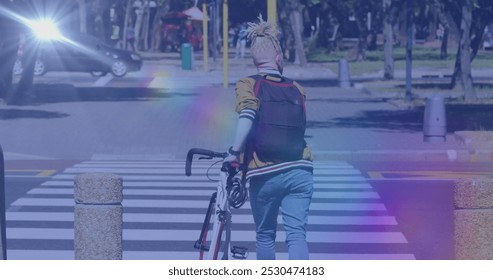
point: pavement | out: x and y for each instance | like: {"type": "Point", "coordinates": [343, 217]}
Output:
{"type": "Point", "coordinates": [351, 138]}
{"type": "Point", "coordinates": [359, 123]}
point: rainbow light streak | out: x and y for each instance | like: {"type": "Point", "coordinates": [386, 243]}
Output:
{"type": "Point", "coordinates": [205, 112]}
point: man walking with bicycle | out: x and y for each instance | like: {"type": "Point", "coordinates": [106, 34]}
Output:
{"type": "Point", "coordinates": [270, 141]}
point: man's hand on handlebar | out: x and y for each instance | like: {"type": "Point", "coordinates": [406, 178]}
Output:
{"type": "Point", "coordinates": [231, 158]}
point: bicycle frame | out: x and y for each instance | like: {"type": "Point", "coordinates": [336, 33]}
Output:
{"type": "Point", "coordinates": [221, 219]}
{"type": "Point", "coordinates": [219, 210]}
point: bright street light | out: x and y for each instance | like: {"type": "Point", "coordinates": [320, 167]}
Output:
{"type": "Point", "coordinates": [45, 30]}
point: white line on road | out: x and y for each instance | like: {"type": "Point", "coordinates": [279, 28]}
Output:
{"type": "Point", "coordinates": [102, 81]}
{"type": "Point", "coordinates": [203, 177]}
{"type": "Point", "coordinates": [180, 255]}
{"type": "Point", "coordinates": [207, 193]}
{"type": "Point", "coordinates": [185, 184]}
{"type": "Point", "coordinates": [199, 204]}
{"type": "Point", "coordinates": [182, 171]}
{"type": "Point", "coordinates": [164, 169]}
{"type": "Point", "coordinates": [191, 235]}
{"type": "Point", "coordinates": [199, 218]}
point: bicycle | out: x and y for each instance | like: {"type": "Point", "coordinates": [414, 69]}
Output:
{"type": "Point", "coordinates": [230, 192]}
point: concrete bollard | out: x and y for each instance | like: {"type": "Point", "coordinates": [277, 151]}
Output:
{"type": "Point", "coordinates": [344, 80]}
{"type": "Point", "coordinates": [98, 216]}
{"type": "Point", "coordinates": [435, 122]}
{"type": "Point", "coordinates": [3, 220]}
{"type": "Point", "coordinates": [473, 219]}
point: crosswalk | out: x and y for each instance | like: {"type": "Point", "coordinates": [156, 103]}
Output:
{"type": "Point", "coordinates": [164, 210]}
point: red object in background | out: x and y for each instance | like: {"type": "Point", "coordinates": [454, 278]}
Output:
{"type": "Point", "coordinates": [177, 28]}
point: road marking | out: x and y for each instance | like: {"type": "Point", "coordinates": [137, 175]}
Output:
{"type": "Point", "coordinates": [426, 175]}
{"type": "Point", "coordinates": [17, 254]}
{"type": "Point", "coordinates": [102, 81]}
{"type": "Point", "coordinates": [375, 175]}
{"type": "Point", "coordinates": [68, 181]}
{"type": "Point", "coordinates": [46, 173]}
{"type": "Point", "coordinates": [193, 218]}
{"type": "Point", "coordinates": [20, 173]}
{"type": "Point", "coordinates": [187, 204]}
{"type": "Point", "coordinates": [191, 235]}
{"type": "Point", "coordinates": [201, 179]}
{"type": "Point", "coordinates": [181, 170]}
{"type": "Point", "coordinates": [16, 156]}
{"type": "Point", "coordinates": [207, 193]}
{"type": "Point", "coordinates": [164, 211]}
{"type": "Point", "coordinates": [161, 74]}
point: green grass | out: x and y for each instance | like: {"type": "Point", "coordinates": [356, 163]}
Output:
{"type": "Point", "coordinates": [423, 57]}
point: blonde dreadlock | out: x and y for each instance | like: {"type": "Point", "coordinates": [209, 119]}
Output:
{"type": "Point", "coordinates": [263, 36]}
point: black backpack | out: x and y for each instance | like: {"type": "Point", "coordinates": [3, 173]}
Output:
{"type": "Point", "coordinates": [279, 133]}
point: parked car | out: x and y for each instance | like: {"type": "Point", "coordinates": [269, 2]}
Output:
{"type": "Point", "coordinates": [84, 53]}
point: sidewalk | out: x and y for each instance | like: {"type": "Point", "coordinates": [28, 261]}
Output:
{"type": "Point", "coordinates": [354, 124]}
{"type": "Point", "coordinates": [344, 116]}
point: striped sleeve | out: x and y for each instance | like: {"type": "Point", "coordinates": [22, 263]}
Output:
{"type": "Point", "coordinates": [248, 114]}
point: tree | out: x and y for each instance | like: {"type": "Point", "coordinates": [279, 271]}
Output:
{"type": "Point", "coordinates": [463, 65]}
{"type": "Point", "coordinates": [462, 14]}
{"type": "Point", "coordinates": [361, 10]}
{"type": "Point", "coordinates": [127, 21]}
{"type": "Point", "coordinates": [162, 9]}
{"type": "Point", "coordinates": [9, 43]}
{"type": "Point", "coordinates": [98, 26]}
{"type": "Point", "coordinates": [388, 40]}
{"type": "Point", "coordinates": [482, 15]}
{"type": "Point", "coordinates": [139, 9]}
{"type": "Point", "coordinates": [82, 15]}
{"type": "Point", "coordinates": [287, 38]}
{"type": "Point", "coordinates": [26, 9]}
{"type": "Point", "coordinates": [294, 11]}
{"type": "Point", "coordinates": [327, 27]}
{"type": "Point", "coordinates": [445, 22]}
{"type": "Point", "coordinates": [290, 14]}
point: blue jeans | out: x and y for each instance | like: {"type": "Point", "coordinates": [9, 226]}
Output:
{"type": "Point", "coordinates": [290, 191]}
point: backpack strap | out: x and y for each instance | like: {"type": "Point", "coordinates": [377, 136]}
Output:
{"type": "Point", "coordinates": [265, 77]}
{"type": "Point", "coordinates": [284, 82]}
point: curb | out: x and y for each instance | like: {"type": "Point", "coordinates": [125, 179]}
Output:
{"type": "Point", "coordinates": [410, 155]}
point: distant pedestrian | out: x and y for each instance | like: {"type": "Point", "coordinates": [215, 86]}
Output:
{"type": "Point", "coordinates": [115, 35]}
{"type": "Point", "coordinates": [130, 37]}
{"type": "Point", "coordinates": [440, 32]}
{"type": "Point", "coordinates": [241, 42]}
{"type": "Point", "coordinates": [231, 38]}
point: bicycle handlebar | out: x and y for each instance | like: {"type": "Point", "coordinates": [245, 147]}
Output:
{"type": "Point", "coordinates": [196, 151]}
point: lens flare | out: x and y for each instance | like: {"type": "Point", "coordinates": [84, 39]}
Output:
{"type": "Point", "coordinates": [45, 30]}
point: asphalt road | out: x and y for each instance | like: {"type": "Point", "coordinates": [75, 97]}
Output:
{"type": "Point", "coordinates": [419, 195]}
{"type": "Point", "coordinates": [62, 125]}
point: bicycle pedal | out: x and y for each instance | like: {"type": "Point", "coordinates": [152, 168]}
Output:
{"type": "Point", "coordinates": [239, 253]}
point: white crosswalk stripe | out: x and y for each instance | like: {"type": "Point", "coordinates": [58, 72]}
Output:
{"type": "Point", "coordinates": [164, 210]}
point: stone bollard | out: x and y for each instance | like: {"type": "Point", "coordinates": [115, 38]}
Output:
{"type": "Point", "coordinates": [435, 121]}
{"type": "Point", "coordinates": [473, 219]}
{"type": "Point", "coordinates": [344, 81]}
{"type": "Point", "coordinates": [98, 221]}
{"type": "Point", "coordinates": [3, 220]}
